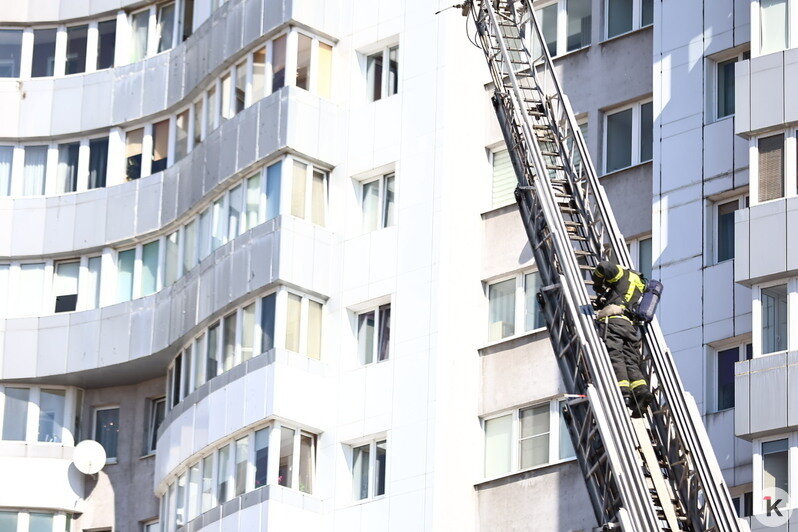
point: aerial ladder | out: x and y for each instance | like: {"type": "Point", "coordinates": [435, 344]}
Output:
{"type": "Point", "coordinates": [650, 474]}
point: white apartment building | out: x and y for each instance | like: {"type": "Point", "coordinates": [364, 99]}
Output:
{"type": "Point", "coordinates": [266, 252]}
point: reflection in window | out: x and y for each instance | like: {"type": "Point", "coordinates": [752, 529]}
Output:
{"type": "Point", "coordinates": [285, 472]}
{"type": "Point", "coordinates": [303, 61]}
{"type": "Point", "coordinates": [43, 53]}
{"type": "Point", "coordinates": [51, 414]}
{"type": "Point", "coordinates": [98, 162]}
{"type": "Point", "coordinates": [10, 52]}
{"type": "Point", "coordinates": [139, 25]}
{"type": "Point", "coordinates": [775, 467]}
{"type": "Point", "coordinates": [106, 44]}
{"type": "Point", "coordinates": [166, 26]}
{"type": "Point", "coordinates": [278, 63]}
{"type": "Point", "coordinates": [124, 275]}
{"type": "Point", "coordinates": [67, 175]}
{"type": "Point", "coordinates": [76, 49]}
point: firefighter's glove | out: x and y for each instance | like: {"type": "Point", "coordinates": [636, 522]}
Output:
{"type": "Point", "coordinates": [610, 310]}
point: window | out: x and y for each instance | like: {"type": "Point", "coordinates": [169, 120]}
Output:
{"type": "Point", "coordinates": [190, 246]}
{"type": "Point", "coordinates": [223, 489]}
{"type": "Point", "coordinates": [40, 522]}
{"type": "Point", "coordinates": [724, 361]}
{"type": "Point", "coordinates": [92, 295]}
{"type": "Point", "coordinates": [51, 414]}
{"type": "Point", "coordinates": [229, 346]}
{"type": "Point", "coordinates": [771, 167]}
{"type": "Point", "coordinates": [261, 456]}
{"type": "Point", "coordinates": [310, 342]}
{"type": "Point", "coordinates": [241, 465]}
{"type": "Point", "coordinates": [213, 109]}
{"type": "Point", "coordinates": [133, 149]}
{"type": "Point", "coordinates": [377, 201]}
{"type": "Point", "coordinates": [368, 470]}
{"type": "Point", "coordinates": [565, 26]}
{"type": "Point", "coordinates": [724, 84]}
{"type": "Point", "coordinates": [166, 26]}
{"type": "Point", "coordinates": [248, 332]}
{"type": "Point", "coordinates": [258, 74]}
{"type": "Point", "coordinates": [773, 26]}
{"type": "Point", "coordinates": [775, 467]}
{"type": "Point", "coordinates": [303, 61]}
{"type": "Point", "coordinates": [15, 413]}
{"type": "Point", "coordinates": [152, 526]}
{"type": "Point", "coordinates": [8, 520]}
{"type": "Point", "coordinates": [31, 285]}
{"type": "Point", "coordinates": [198, 121]}
{"type": "Point", "coordinates": [139, 26]}
{"type": "Point", "coordinates": [98, 162]}
{"type": "Point", "coordinates": [234, 210]}
{"type": "Point", "coordinates": [157, 414]}
{"type": "Point", "coordinates": [724, 227]}
{"type": "Point", "coordinates": [278, 63]}
{"type": "Point", "coordinates": [125, 260]}
{"type": "Point", "coordinates": [106, 44]}
{"type": "Point", "coordinates": [43, 53]}
{"type": "Point", "coordinates": [149, 268]}
{"type": "Point", "coordinates": [207, 483]}
{"type": "Point", "coordinates": [35, 170]}
{"type": "Point", "coordinates": [324, 71]}
{"type": "Point", "coordinates": [504, 181]}
{"type": "Point", "coordinates": [505, 315]}
{"type": "Point", "coordinates": [382, 73]}
{"type": "Point", "coordinates": [10, 53]}
{"type": "Point", "coordinates": [241, 87]}
{"type": "Point", "coordinates": [65, 286]}
{"type": "Point", "coordinates": [67, 175]}
{"type": "Point", "coordinates": [187, 18]}
{"type": "Point", "coordinates": [628, 136]}
{"type": "Point", "coordinates": [641, 252]}
{"type": "Point", "coordinates": [286, 465]}
{"type": "Point", "coordinates": [76, 49]}
{"type": "Point", "coordinates": [6, 159]}
{"type": "Point", "coordinates": [374, 334]}
{"type": "Point", "coordinates": [774, 318]}
{"type": "Point", "coordinates": [227, 94]}
{"type": "Point", "coordinates": [744, 504]}
{"type": "Point", "coordinates": [171, 257]}
{"type": "Point", "coordinates": [267, 322]}
{"type": "Point", "coordinates": [526, 438]}
{"type": "Point", "coordinates": [160, 145]}
{"type": "Point", "coordinates": [106, 430]}
{"type": "Point", "coordinates": [181, 135]}
{"type": "Point", "coordinates": [624, 16]}
{"type": "Point", "coordinates": [308, 192]}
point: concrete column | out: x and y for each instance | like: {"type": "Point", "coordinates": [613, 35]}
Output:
{"type": "Point", "coordinates": [291, 45]}
{"type": "Point", "coordinates": [26, 54]}
{"type": "Point", "coordinates": [17, 170]}
{"type": "Point", "coordinates": [108, 278]}
{"type": "Point", "coordinates": [116, 157]}
{"type": "Point", "coordinates": [83, 165]}
{"type": "Point", "coordinates": [146, 151]}
{"type": "Point", "coordinates": [92, 39]}
{"type": "Point", "coordinates": [122, 50]}
{"type": "Point", "coordinates": [60, 51]}
{"type": "Point", "coordinates": [51, 172]}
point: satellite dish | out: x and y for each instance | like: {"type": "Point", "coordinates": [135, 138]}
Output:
{"type": "Point", "coordinates": [89, 457]}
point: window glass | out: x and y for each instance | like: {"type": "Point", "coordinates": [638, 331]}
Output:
{"type": "Point", "coordinates": [645, 260]}
{"type": "Point", "coordinates": [619, 140]}
{"type": "Point", "coordinates": [177, 377]}
{"type": "Point", "coordinates": [241, 86]}
{"type": "Point", "coordinates": [218, 237]}
{"type": "Point", "coordinates": [533, 317]}
{"type": "Point", "coordinates": [252, 202]}
{"type": "Point", "coordinates": [370, 199]}
{"type": "Point", "coordinates": [149, 267]}
{"type": "Point", "coordinates": [198, 121]}
{"type": "Point", "coordinates": [190, 246]}
{"type": "Point", "coordinates": [534, 441]}
{"type": "Point", "coordinates": [578, 26]}
{"type": "Point", "coordinates": [501, 309]}
{"type": "Point", "coordinates": [157, 414]}
{"type": "Point", "coordinates": [40, 522]}
{"type": "Point", "coordinates": [124, 275]}
{"type": "Point", "coordinates": [180, 503]}
{"type": "Point", "coordinates": [35, 170]}
{"type": "Point", "coordinates": [10, 52]}
{"type": "Point", "coordinates": [65, 286]}
{"type": "Point", "coordinates": [204, 240]}
{"type": "Point", "coordinates": [106, 430]}
{"type": "Point", "coordinates": [139, 25]}
{"type": "Point", "coordinates": [194, 491]}
{"type": "Point", "coordinates": [774, 319]}
{"type": "Point", "coordinates": [211, 360]}
{"type": "Point", "coordinates": [273, 190]}
{"type": "Point", "coordinates": [725, 96]}
{"type": "Point", "coordinates": [181, 135]}
{"type": "Point", "coordinates": [93, 282]}
{"type": "Point", "coordinates": [242, 458]}
{"type": "Point", "coordinates": [187, 370]}
{"type": "Point", "coordinates": [380, 468]}
{"type": "Point", "coordinates": [133, 148]}
{"type": "Point", "coordinates": [646, 131]}
{"type": "Point", "coordinates": [258, 74]}
{"type": "Point", "coordinates": [248, 332]}
{"type": "Point", "coordinates": [229, 352]}
{"type": "Point", "coordinates": [298, 189]}
{"type": "Point", "coordinates": [278, 63]}
{"type": "Point", "coordinates": [223, 488]}
{"type": "Point", "coordinates": [31, 286]}
{"type": "Point", "coordinates": [393, 71]}
{"type": "Point", "coordinates": [360, 471]}
{"type": "Point", "coordinates": [384, 336]}
{"type": "Point", "coordinates": [67, 175]}
{"type": "Point", "coordinates": [188, 18]}
{"type": "Point", "coordinates": [374, 76]}
{"type": "Point", "coordinates": [15, 413]}
{"type": "Point", "coordinates": [365, 337]}
{"type": "Point", "coordinates": [76, 49]}
{"type": "Point", "coordinates": [775, 467]}
{"type": "Point", "coordinates": [303, 60]}
{"type": "Point", "coordinates": [566, 446]}
{"type": "Point", "coordinates": [207, 483]}
{"type": "Point", "coordinates": [647, 12]}
{"type": "Point", "coordinates": [166, 26]}
{"type": "Point", "coordinates": [98, 162]}
{"type": "Point", "coordinates": [498, 436]}
{"type": "Point", "coordinates": [106, 44]}
{"type": "Point", "coordinates": [171, 257]}
{"type": "Point", "coordinates": [504, 181]}
{"type": "Point", "coordinates": [227, 90]}
{"type": "Point", "coordinates": [285, 472]}
{"type": "Point", "coordinates": [726, 230]}
{"type": "Point", "coordinates": [547, 18]}
{"type": "Point", "coordinates": [314, 329]}
{"type": "Point", "coordinates": [43, 53]}
{"type": "Point", "coordinates": [619, 18]}
{"type": "Point", "coordinates": [388, 203]}
{"type": "Point", "coordinates": [267, 322]}
{"type": "Point", "coordinates": [200, 353]}
{"type": "Point", "coordinates": [771, 167]}
{"type": "Point", "coordinates": [319, 201]}
{"type": "Point", "coordinates": [725, 376]}
{"type": "Point", "coordinates": [6, 158]}
{"type": "Point", "coordinates": [8, 520]}
{"type": "Point", "coordinates": [160, 145]}
{"type": "Point", "coordinates": [773, 29]}
{"type": "Point", "coordinates": [292, 322]}
{"type": "Point", "coordinates": [324, 71]}
{"type": "Point", "coordinates": [234, 220]}
{"type": "Point", "coordinates": [261, 457]}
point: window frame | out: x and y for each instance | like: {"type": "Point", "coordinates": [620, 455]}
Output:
{"type": "Point", "coordinates": [375, 308]}
{"type": "Point", "coordinates": [738, 343]}
{"type": "Point", "coordinates": [758, 467]}
{"type": "Point", "coordinates": [287, 183]}
{"type": "Point", "coordinates": [520, 305]}
{"type": "Point", "coordinates": [33, 412]}
{"type": "Point", "coordinates": [636, 136]}
{"type": "Point", "coordinates": [637, 20]}
{"type": "Point", "coordinates": [562, 26]}
{"type": "Point", "coordinates": [385, 51]}
{"type": "Point", "coordinates": [152, 430]}
{"type": "Point", "coordinates": [372, 443]}
{"type": "Point", "coordinates": [95, 411]}
{"type": "Point", "coordinates": [790, 155]}
{"type": "Point", "coordinates": [743, 201]}
{"type": "Point", "coordinates": [756, 315]}
{"type": "Point", "coordinates": [382, 207]}
{"type": "Point", "coordinates": [737, 54]}
{"type": "Point", "coordinates": [633, 244]}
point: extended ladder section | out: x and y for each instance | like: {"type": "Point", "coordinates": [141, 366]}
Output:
{"type": "Point", "coordinates": [653, 473]}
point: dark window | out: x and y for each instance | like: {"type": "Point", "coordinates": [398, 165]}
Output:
{"type": "Point", "coordinates": [43, 53]}
{"type": "Point", "coordinates": [188, 18]}
{"type": "Point", "coordinates": [98, 162]}
{"type": "Point", "coordinates": [726, 230]}
{"type": "Point", "coordinates": [177, 378]}
{"type": "Point", "coordinates": [726, 88]}
{"type": "Point", "coordinates": [68, 166]}
{"type": "Point", "coordinates": [10, 51]}
{"type": "Point", "coordinates": [76, 49]}
{"type": "Point", "coordinates": [106, 44]}
{"type": "Point", "coordinates": [106, 430]}
{"type": "Point", "coordinates": [726, 361]}
{"type": "Point", "coordinates": [267, 322]}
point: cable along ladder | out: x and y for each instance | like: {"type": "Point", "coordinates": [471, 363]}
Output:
{"type": "Point", "coordinates": [654, 473]}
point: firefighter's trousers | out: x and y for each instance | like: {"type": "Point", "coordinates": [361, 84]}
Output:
{"type": "Point", "coordinates": [623, 340]}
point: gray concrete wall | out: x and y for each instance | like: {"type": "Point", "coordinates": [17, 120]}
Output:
{"type": "Point", "coordinates": [121, 495]}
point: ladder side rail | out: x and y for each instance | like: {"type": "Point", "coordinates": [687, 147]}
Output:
{"type": "Point", "coordinates": [689, 427]}
{"type": "Point", "coordinates": [634, 490]}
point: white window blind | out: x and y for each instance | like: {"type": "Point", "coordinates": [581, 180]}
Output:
{"type": "Point", "coordinates": [504, 180]}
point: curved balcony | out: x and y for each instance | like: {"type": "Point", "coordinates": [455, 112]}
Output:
{"type": "Point", "coordinates": [113, 343]}
{"type": "Point", "coordinates": [44, 477]}
{"type": "Point", "coordinates": [287, 121]}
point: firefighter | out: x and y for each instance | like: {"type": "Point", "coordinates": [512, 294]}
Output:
{"type": "Point", "coordinates": [618, 289]}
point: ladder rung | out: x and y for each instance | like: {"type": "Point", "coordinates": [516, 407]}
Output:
{"type": "Point", "coordinates": [550, 154]}
{"type": "Point", "coordinates": [555, 167]}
